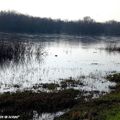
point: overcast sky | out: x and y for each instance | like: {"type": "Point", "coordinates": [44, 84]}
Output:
{"type": "Point", "coordinates": [100, 10]}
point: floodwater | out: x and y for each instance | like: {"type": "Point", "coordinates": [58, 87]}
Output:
{"type": "Point", "coordinates": [49, 58]}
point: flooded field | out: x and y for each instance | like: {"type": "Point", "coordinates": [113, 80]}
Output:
{"type": "Point", "coordinates": [27, 60]}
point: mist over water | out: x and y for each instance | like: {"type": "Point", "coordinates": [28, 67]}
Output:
{"type": "Point", "coordinates": [34, 59]}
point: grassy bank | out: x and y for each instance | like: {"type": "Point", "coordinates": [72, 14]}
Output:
{"type": "Point", "coordinates": [81, 107]}
{"type": "Point", "coordinates": [23, 103]}
{"type": "Point", "coordinates": [104, 108]}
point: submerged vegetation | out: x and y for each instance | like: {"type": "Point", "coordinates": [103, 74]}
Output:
{"type": "Point", "coordinates": [15, 22]}
{"type": "Point", "coordinates": [62, 85]}
{"type": "Point", "coordinates": [70, 83]}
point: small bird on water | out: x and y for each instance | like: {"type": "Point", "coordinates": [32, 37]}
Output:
{"type": "Point", "coordinates": [56, 55]}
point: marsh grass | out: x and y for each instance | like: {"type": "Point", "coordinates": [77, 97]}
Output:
{"type": "Point", "coordinates": [11, 51]}
{"type": "Point", "coordinates": [18, 51]}
{"type": "Point", "coordinates": [113, 48]}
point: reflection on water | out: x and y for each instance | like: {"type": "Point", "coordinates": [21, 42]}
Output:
{"type": "Point", "coordinates": [29, 59]}
{"type": "Point", "coordinates": [46, 116]}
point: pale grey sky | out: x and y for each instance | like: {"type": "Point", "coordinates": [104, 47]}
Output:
{"type": "Point", "coordinates": [100, 10]}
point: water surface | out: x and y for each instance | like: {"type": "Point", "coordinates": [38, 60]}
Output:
{"type": "Point", "coordinates": [49, 58]}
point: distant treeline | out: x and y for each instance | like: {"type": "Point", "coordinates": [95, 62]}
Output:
{"type": "Point", "coordinates": [15, 22]}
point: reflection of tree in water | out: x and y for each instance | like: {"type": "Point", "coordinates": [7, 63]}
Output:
{"type": "Point", "coordinates": [17, 51]}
